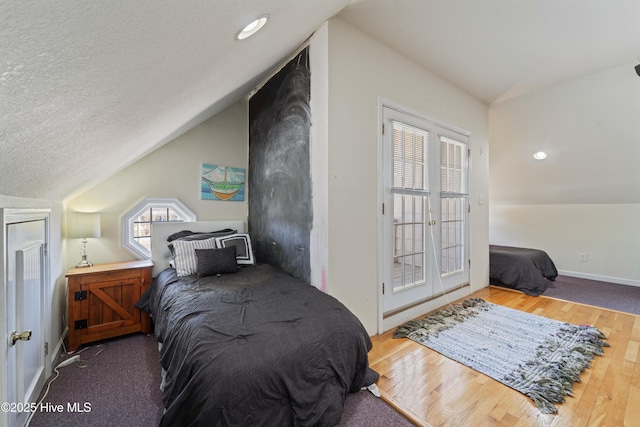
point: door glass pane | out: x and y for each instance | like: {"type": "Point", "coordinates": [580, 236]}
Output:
{"type": "Point", "coordinates": [419, 209]}
{"type": "Point", "coordinates": [409, 242]}
{"type": "Point", "coordinates": [452, 234]}
{"type": "Point", "coordinates": [398, 175]}
{"type": "Point", "coordinates": [408, 270]}
{"type": "Point", "coordinates": [398, 280]}
{"type": "Point", "coordinates": [410, 157]}
{"type": "Point", "coordinates": [408, 239]}
{"type": "Point", "coordinates": [409, 175]}
{"type": "Point", "coordinates": [397, 224]}
{"type": "Point", "coordinates": [453, 163]}
{"type": "Point", "coordinates": [418, 264]}
{"type": "Point", "coordinates": [409, 212]}
{"type": "Point", "coordinates": [419, 238]}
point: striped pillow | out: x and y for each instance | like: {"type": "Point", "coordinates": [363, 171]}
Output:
{"type": "Point", "coordinates": [185, 259]}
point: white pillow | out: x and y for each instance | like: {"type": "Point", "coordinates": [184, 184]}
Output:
{"type": "Point", "coordinates": [185, 260]}
{"type": "Point", "coordinates": [242, 242]}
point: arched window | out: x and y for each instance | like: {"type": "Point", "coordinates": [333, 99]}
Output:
{"type": "Point", "coordinates": [136, 223]}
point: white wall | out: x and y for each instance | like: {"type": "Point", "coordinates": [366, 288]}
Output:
{"type": "Point", "coordinates": [171, 171]}
{"type": "Point", "coordinates": [608, 234]}
{"type": "Point", "coordinates": [589, 128]}
{"type": "Point", "coordinates": [360, 71]}
{"type": "Point", "coordinates": [319, 152]}
{"type": "Point", "coordinates": [584, 198]}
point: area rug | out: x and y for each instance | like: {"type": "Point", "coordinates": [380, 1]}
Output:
{"type": "Point", "coordinates": [534, 355]}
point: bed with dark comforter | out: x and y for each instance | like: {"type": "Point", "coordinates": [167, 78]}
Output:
{"type": "Point", "coordinates": [256, 347]}
{"type": "Point", "coordinates": [523, 269]}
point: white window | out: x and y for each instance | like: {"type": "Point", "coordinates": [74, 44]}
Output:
{"type": "Point", "coordinates": [136, 223]}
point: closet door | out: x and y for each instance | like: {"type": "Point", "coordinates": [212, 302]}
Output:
{"type": "Point", "coordinates": [25, 368]}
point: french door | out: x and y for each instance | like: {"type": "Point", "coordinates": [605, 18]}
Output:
{"type": "Point", "coordinates": [425, 209]}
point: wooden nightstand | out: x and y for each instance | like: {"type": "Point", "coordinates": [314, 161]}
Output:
{"type": "Point", "coordinates": [102, 299]}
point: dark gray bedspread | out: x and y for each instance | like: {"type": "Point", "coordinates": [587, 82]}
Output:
{"type": "Point", "coordinates": [255, 348]}
{"type": "Point", "coordinates": [524, 269]}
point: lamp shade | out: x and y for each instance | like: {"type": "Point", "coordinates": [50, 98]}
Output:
{"type": "Point", "coordinates": [83, 225]}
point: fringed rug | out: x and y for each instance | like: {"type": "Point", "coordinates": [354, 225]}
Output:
{"type": "Point", "coordinates": [534, 355]}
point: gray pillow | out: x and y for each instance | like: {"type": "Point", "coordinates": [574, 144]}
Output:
{"type": "Point", "coordinates": [216, 261]}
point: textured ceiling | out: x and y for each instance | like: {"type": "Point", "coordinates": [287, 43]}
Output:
{"type": "Point", "coordinates": [87, 88]}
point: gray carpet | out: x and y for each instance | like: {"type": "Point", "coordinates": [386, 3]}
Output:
{"type": "Point", "coordinates": [602, 294]}
{"type": "Point", "coordinates": [120, 380]}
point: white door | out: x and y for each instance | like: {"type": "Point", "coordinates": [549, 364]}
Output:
{"type": "Point", "coordinates": [407, 258]}
{"type": "Point", "coordinates": [25, 357]}
{"type": "Point", "coordinates": [452, 237]}
{"type": "Point", "coordinates": [424, 194]}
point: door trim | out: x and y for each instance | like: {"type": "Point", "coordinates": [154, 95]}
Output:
{"type": "Point", "coordinates": [387, 103]}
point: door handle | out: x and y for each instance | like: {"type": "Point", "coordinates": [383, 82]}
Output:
{"type": "Point", "coordinates": [432, 222]}
{"type": "Point", "coordinates": [24, 336]}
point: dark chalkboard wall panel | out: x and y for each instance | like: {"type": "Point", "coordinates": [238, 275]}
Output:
{"type": "Point", "coordinates": [280, 208]}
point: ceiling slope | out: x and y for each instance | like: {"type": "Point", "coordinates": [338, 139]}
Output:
{"type": "Point", "coordinates": [89, 87]}
{"type": "Point", "coordinates": [557, 76]}
{"type": "Point", "coordinates": [498, 49]}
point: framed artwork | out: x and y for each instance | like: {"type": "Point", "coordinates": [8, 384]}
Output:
{"type": "Point", "coordinates": [222, 183]}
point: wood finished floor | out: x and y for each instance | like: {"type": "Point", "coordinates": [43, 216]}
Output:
{"type": "Point", "coordinates": [433, 390]}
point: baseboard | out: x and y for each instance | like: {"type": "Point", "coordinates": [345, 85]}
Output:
{"type": "Point", "coordinates": [58, 347]}
{"type": "Point", "coordinates": [391, 321]}
{"type": "Point", "coordinates": [587, 276]}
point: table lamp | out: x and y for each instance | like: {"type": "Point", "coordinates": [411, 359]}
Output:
{"type": "Point", "coordinates": [84, 225]}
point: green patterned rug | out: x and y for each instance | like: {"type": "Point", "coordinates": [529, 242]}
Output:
{"type": "Point", "coordinates": [537, 356]}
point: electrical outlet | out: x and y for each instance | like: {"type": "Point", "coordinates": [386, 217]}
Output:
{"type": "Point", "coordinates": [582, 257]}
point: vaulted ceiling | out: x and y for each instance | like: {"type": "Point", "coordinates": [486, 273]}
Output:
{"type": "Point", "coordinates": [87, 88]}
{"type": "Point", "coordinates": [497, 49]}
{"type": "Point", "coordinates": [558, 76]}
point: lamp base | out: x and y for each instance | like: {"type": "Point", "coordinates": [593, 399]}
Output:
{"type": "Point", "coordinates": [84, 263]}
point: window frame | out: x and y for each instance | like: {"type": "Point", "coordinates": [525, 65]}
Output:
{"type": "Point", "coordinates": [127, 221]}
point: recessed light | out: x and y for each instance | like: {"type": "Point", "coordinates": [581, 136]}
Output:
{"type": "Point", "coordinates": [252, 28]}
{"type": "Point", "coordinates": [540, 155]}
